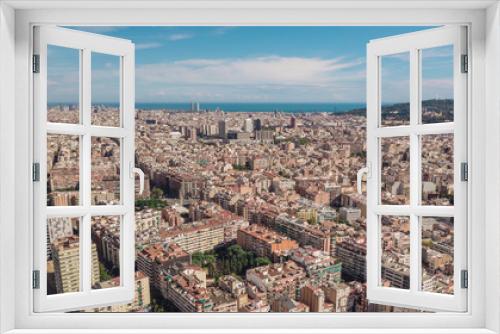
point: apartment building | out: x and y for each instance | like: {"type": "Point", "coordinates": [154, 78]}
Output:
{"type": "Point", "coordinates": [338, 295]}
{"type": "Point", "coordinates": [58, 228]}
{"type": "Point", "coordinates": [185, 186]}
{"type": "Point", "coordinates": [222, 301]}
{"type": "Point", "coordinates": [106, 236]}
{"type": "Point", "coordinates": [278, 279]}
{"type": "Point", "coordinates": [198, 236]}
{"type": "Point", "coordinates": [186, 288]}
{"type": "Point", "coordinates": [285, 303]}
{"type": "Point", "coordinates": [66, 261]}
{"type": "Point", "coordinates": [396, 275]}
{"type": "Point", "coordinates": [303, 232]}
{"type": "Point", "coordinates": [142, 296]}
{"type": "Point", "coordinates": [352, 254]}
{"type": "Point", "coordinates": [265, 242]}
{"type": "Point", "coordinates": [153, 258]}
{"type": "Point", "coordinates": [319, 265]}
{"type": "Point", "coordinates": [313, 297]}
{"type": "Point", "coordinates": [332, 297]}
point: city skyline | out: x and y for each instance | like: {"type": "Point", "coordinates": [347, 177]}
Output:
{"type": "Point", "coordinates": [251, 210]}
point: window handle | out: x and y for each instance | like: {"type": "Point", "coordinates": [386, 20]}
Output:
{"type": "Point", "coordinates": [364, 170]}
{"type": "Point", "coordinates": [138, 171]}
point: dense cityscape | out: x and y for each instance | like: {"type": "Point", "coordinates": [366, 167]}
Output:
{"type": "Point", "coordinates": [249, 212]}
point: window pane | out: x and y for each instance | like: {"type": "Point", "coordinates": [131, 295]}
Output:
{"type": "Point", "coordinates": [105, 171]}
{"type": "Point", "coordinates": [395, 170]}
{"type": "Point", "coordinates": [437, 254]}
{"type": "Point", "coordinates": [437, 169]}
{"type": "Point", "coordinates": [395, 89]}
{"type": "Point", "coordinates": [395, 242]}
{"type": "Point", "coordinates": [105, 90]}
{"type": "Point", "coordinates": [63, 170]}
{"type": "Point", "coordinates": [106, 259]}
{"type": "Point", "coordinates": [63, 255]}
{"type": "Point", "coordinates": [437, 84]}
{"type": "Point", "coordinates": [63, 84]}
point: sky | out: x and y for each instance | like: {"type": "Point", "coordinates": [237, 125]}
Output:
{"type": "Point", "coordinates": [248, 64]}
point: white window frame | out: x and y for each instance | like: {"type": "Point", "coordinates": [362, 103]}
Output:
{"type": "Point", "coordinates": [412, 44]}
{"type": "Point", "coordinates": [85, 44]}
{"type": "Point", "coordinates": [16, 21]}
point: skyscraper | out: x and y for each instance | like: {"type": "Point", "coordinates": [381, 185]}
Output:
{"type": "Point", "coordinates": [195, 106]}
{"type": "Point", "coordinates": [248, 125]}
{"type": "Point", "coordinates": [66, 255]}
{"type": "Point", "coordinates": [223, 129]}
{"type": "Point", "coordinates": [257, 124]}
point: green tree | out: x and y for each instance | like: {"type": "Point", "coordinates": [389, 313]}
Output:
{"type": "Point", "coordinates": [157, 193]}
{"type": "Point", "coordinates": [427, 243]}
{"type": "Point", "coordinates": [228, 260]}
{"type": "Point", "coordinates": [197, 258]}
{"type": "Point", "coordinates": [150, 203]}
{"type": "Point", "coordinates": [303, 141]}
{"type": "Point", "coordinates": [262, 261]}
{"type": "Point", "coordinates": [312, 221]}
{"type": "Point", "coordinates": [240, 167]}
{"type": "Point", "coordinates": [103, 273]}
{"type": "Point", "coordinates": [206, 260]}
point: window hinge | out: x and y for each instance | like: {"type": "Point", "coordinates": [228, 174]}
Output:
{"type": "Point", "coordinates": [36, 172]}
{"type": "Point", "coordinates": [464, 171]}
{"type": "Point", "coordinates": [464, 279]}
{"type": "Point", "coordinates": [36, 279]}
{"type": "Point", "coordinates": [465, 64]}
{"type": "Point", "coordinates": [36, 63]}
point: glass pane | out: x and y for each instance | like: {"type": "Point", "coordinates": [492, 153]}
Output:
{"type": "Point", "coordinates": [395, 89]}
{"type": "Point", "coordinates": [63, 170]}
{"type": "Point", "coordinates": [437, 254]}
{"type": "Point", "coordinates": [395, 243]}
{"type": "Point", "coordinates": [105, 171]}
{"type": "Point", "coordinates": [395, 170]}
{"type": "Point", "coordinates": [105, 90]}
{"type": "Point", "coordinates": [105, 252]}
{"type": "Point", "coordinates": [437, 84]}
{"type": "Point", "coordinates": [437, 169]}
{"type": "Point", "coordinates": [63, 84]}
{"type": "Point", "coordinates": [63, 255]}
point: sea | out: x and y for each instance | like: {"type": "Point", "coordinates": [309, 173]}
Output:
{"type": "Point", "coordinates": [241, 107]}
{"type": "Point", "coordinates": [257, 107]}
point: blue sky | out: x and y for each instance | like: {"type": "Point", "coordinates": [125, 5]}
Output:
{"type": "Point", "coordinates": [244, 64]}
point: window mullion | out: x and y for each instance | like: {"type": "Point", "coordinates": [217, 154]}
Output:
{"type": "Point", "coordinates": [414, 168]}
{"type": "Point", "coordinates": [85, 184]}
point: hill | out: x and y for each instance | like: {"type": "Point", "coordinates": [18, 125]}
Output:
{"type": "Point", "coordinates": [435, 111]}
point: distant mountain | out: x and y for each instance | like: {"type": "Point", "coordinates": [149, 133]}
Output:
{"type": "Point", "coordinates": [434, 111]}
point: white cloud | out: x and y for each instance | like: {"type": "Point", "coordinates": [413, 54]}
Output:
{"type": "Point", "coordinates": [247, 71]}
{"type": "Point", "coordinates": [179, 37]}
{"type": "Point", "coordinates": [145, 46]}
{"type": "Point", "coordinates": [222, 30]}
{"type": "Point", "coordinates": [270, 78]}
{"type": "Point", "coordinates": [439, 88]}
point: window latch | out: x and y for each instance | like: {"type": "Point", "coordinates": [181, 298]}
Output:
{"type": "Point", "coordinates": [138, 171]}
{"type": "Point", "coordinates": [359, 177]}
